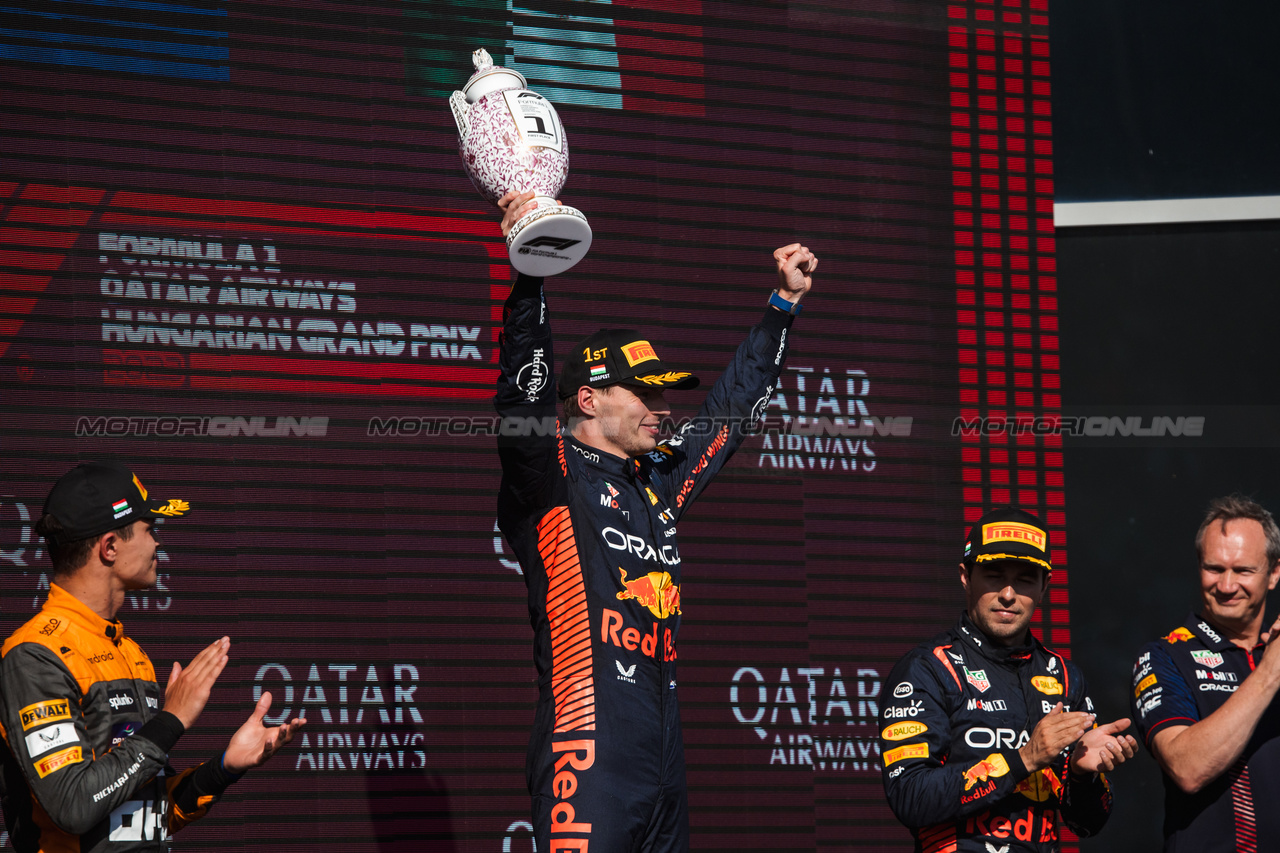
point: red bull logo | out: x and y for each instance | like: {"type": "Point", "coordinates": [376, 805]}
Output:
{"type": "Point", "coordinates": [655, 591]}
{"type": "Point", "coordinates": [994, 765]}
{"type": "Point", "coordinates": [1019, 825]}
{"type": "Point", "coordinates": [1179, 635]}
{"type": "Point", "coordinates": [614, 630]}
{"type": "Point", "coordinates": [577, 755]}
{"type": "Point", "coordinates": [1041, 786]}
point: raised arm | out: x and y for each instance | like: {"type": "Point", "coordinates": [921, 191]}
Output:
{"type": "Point", "coordinates": [528, 440]}
{"type": "Point", "coordinates": [684, 464]}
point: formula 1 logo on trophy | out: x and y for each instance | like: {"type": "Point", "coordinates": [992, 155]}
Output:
{"type": "Point", "coordinates": [511, 139]}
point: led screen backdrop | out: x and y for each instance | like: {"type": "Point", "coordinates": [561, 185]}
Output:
{"type": "Point", "coordinates": [238, 250]}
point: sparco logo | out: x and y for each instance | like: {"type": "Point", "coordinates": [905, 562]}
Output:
{"type": "Point", "coordinates": [557, 243]}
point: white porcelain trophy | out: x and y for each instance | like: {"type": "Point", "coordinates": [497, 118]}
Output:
{"type": "Point", "coordinates": [511, 139]}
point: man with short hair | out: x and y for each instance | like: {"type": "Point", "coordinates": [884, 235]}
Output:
{"type": "Point", "coordinates": [988, 735]}
{"type": "Point", "coordinates": [1204, 695]}
{"type": "Point", "coordinates": [591, 514]}
{"type": "Point", "coordinates": [87, 764]}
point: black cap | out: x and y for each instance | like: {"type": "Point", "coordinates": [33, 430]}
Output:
{"type": "Point", "coordinates": [619, 357]}
{"type": "Point", "coordinates": [96, 497]}
{"type": "Point", "coordinates": [1008, 534]}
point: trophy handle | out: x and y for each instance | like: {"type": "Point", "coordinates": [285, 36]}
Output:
{"type": "Point", "coordinates": [460, 107]}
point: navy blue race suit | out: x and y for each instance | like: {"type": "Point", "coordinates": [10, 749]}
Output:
{"type": "Point", "coordinates": [1178, 681]}
{"type": "Point", "coordinates": [596, 538]}
{"type": "Point", "coordinates": [956, 710]}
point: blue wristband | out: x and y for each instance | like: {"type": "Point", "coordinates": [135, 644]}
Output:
{"type": "Point", "coordinates": [784, 305]}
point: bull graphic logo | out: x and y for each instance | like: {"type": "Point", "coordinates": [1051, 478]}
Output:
{"type": "Point", "coordinates": [1040, 786]}
{"type": "Point", "coordinates": [655, 591]}
{"type": "Point", "coordinates": [988, 768]}
{"type": "Point", "coordinates": [1179, 634]}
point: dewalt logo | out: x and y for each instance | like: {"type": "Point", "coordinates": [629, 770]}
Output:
{"type": "Point", "coordinates": [45, 712]}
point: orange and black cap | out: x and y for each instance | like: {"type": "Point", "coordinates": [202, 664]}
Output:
{"type": "Point", "coordinates": [1008, 534]}
{"type": "Point", "coordinates": [619, 357]}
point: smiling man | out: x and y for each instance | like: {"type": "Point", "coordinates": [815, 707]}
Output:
{"type": "Point", "coordinates": [1204, 696]}
{"type": "Point", "coordinates": [989, 736]}
{"type": "Point", "coordinates": [591, 514]}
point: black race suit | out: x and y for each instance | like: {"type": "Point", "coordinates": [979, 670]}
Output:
{"type": "Point", "coordinates": [956, 711]}
{"type": "Point", "coordinates": [595, 536]}
{"type": "Point", "coordinates": [1178, 681]}
{"type": "Point", "coordinates": [87, 763]}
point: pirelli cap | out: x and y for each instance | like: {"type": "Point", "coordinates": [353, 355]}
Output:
{"type": "Point", "coordinates": [1008, 534]}
{"type": "Point", "coordinates": [619, 357]}
{"type": "Point", "coordinates": [95, 497]}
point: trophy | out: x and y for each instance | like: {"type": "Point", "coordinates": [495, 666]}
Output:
{"type": "Point", "coordinates": [511, 139]}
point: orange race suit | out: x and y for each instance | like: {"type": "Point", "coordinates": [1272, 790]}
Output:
{"type": "Point", "coordinates": [87, 763]}
{"type": "Point", "coordinates": [955, 712]}
{"type": "Point", "coordinates": [596, 538]}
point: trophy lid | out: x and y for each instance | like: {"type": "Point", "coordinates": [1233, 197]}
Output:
{"type": "Point", "coordinates": [490, 78]}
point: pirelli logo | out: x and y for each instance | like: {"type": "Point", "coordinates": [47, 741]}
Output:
{"type": "Point", "coordinates": [911, 750]}
{"type": "Point", "coordinates": [59, 760]}
{"type": "Point", "coordinates": [45, 712]}
{"type": "Point", "coordinates": [638, 351]}
{"type": "Point", "coordinates": [1013, 531]}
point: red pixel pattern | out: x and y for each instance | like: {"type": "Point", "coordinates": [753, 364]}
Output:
{"type": "Point", "coordinates": [1006, 273]}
